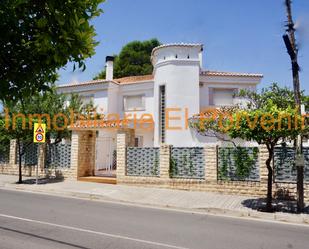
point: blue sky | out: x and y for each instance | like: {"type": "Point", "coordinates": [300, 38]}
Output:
{"type": "Point", "coordinates": [238, 35]}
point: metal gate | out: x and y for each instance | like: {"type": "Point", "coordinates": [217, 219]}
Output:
{"type": "Point", "coordinates": [104, 156]}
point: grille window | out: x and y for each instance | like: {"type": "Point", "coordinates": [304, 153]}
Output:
{"type": "Point", "coordinates": [162, 113]}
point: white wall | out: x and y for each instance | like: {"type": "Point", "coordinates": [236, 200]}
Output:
{"type": "Point", "coordinates": [145, 89]}
{"type": "Point", "coordinates": [148, 137]}
{"type": "Point", "coordinates": [101, 101]}
{"type": "Point", "coordinates": [181, 79]}
{"type": "Point", "coordinates": [178, 68]}
{"type": "Point", "coordinates": [205, 86]}
{"type": "Point", "coordinates": [98, 91]}
{"type": "Point", "coordinates": [113, 95]}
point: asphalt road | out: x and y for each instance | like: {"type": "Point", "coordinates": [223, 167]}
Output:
{"type": "Point", "coordinates": [40, 221]}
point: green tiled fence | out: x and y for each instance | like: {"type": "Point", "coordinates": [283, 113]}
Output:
{"type": "Point", "coordinates": [143, 161]}
{"type": "Point", "coordinates": [284, 164]}
{"type": "Point", "coordinates": [4, 153]}
{"type": "Point", "coordinates": [238, 163]}
{"type": "Point", "coordinates": [30, 155]}
{"type": "Point", "coordinates": [58, 155]}
{"type": "Point", "coordinates": [187, 162]}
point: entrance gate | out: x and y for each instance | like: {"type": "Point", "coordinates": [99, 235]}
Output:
{"type": "Point", "coordinates": [105, 157]}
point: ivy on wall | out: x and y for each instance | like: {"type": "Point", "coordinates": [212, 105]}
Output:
{"type": "Point", "coordinates": [187, 162]}
{"type": "Point", "coordinates": [155, 169]}
{"type": "Point", "coordinates": [238, 163]}
{"type": "Point", "coordinates": [173, 167]}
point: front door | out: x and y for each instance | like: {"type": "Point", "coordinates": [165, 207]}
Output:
{"type": "Point", "coordinates": [104, 156]}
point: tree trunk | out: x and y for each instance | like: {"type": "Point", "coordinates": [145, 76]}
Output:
{"type": "Point", "coordinates": [20, 179]}
{"type": "Point", "coordinates": [269, 179]}
{"type": "Point", "coordinates": [297, 96]}
{"type": "Point", "coordinates": [300, 189]}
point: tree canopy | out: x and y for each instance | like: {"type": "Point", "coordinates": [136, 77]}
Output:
{"type": "Point", "coordinates": [40, 37]}
{"type": "Point", "coordinates": [133, 59]}
{"type": "Point", "coordinates": [268, 117]}
{"type": "Point", "coordinates": [49, 107]}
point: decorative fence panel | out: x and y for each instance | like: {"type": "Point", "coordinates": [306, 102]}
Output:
{"type": "Point", "coordinates": [284, 164]}
{"type": "Point", "coordinates": [4, 153]}
{"type": "Point", "coordinates": [30, 154]}
{"type": "Point", "coordinates": [58, 155]}
{"type": "Point", "coordinates": [238, 163]}
{"type": "Point", "coordinates": [187, 162]}
{"type": "Point", "coordinates": [143, 161]}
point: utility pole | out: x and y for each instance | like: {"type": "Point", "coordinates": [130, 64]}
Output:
{"type": "Point", "coordinates": [290, 43]}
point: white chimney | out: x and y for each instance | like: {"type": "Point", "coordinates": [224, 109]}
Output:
{"type": "Point", "coordinates": [200, 56]}
{"type": "Point", "coordinates": [109, 68]}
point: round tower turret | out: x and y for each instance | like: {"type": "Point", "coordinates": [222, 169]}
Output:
{"type": "Point", "coordinates": [176, 91]}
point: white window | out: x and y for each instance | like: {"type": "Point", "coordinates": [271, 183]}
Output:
{"type": "Point", "coordinates": [134, 102]}
{"type": "Point", "coordinates": [221, 96]}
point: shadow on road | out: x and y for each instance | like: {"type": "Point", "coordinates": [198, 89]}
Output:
{"type": "Point", "coordinates": [43, 181]}
{"type": "Point", "coordinates": [285, 206]}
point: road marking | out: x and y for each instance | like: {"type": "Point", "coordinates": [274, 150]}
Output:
{"type": "Point", "coordinates": [162, 208]}
{"type": "Point", "coordinates": [92, 232]}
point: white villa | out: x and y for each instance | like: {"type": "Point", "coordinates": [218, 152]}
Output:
{"type": "Point", "coordinates": [165, 152]}
{"type": "Point", "coordinates": [178, 84]}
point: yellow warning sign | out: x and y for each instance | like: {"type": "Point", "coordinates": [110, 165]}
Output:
{"type": "Point", "coordinates": [39, 133]}
{"type": "Point", "coordinates": [39, 129]}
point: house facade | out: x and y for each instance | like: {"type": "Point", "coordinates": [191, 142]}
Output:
{"type": "Point", "coordinates": [168, 154]}
{"type": "Point", "coordinates": [178, 89]}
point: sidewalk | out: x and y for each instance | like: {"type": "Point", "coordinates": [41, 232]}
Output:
{"type": "Point", "coordinates": [205, 202]}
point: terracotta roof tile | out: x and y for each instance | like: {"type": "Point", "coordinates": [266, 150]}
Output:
{"type": "Point", "coordinates": [210, 112]}
{"type": "Point", "coordinates": [85, 83]}
{"type": "Point", "coordinates": [122, 81]}
{"type": "Point", "coordinates": [94, 124]}
{"type": "Point", "coordinates": [101, 123]}
{"type": "Point", "coordinates": [150, 77]}
{"type": "Point", "coordinates": [134, 79]}
{"type": "Point", "coordinates": [231, 74]}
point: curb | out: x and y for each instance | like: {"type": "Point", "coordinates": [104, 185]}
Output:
{"type": "Point", "coordinates": [285, 218]}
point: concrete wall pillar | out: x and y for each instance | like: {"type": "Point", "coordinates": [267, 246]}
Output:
{"type": "Point", "coordinates": [74, 153]}
{"type": "Point", "coordinates": [82, 153]}
{"type": "Point", "coordinates": [86, 153]}
{"type": "Point", "coordinates": [121, 154]}
{"type": "Point", "coordinates": [263, 155]}
{"type": "Point", "coordinates": [211, 163]}
{"type": "Point", "coordinates": [125, 138]}
{"type": "Point", "coordinates": [13, 148]}
{"type": "Point", "coordinates": [165, 154]}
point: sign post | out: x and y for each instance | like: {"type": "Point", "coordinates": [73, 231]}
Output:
{"type": "Point", "coordinates": [39, 136]}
